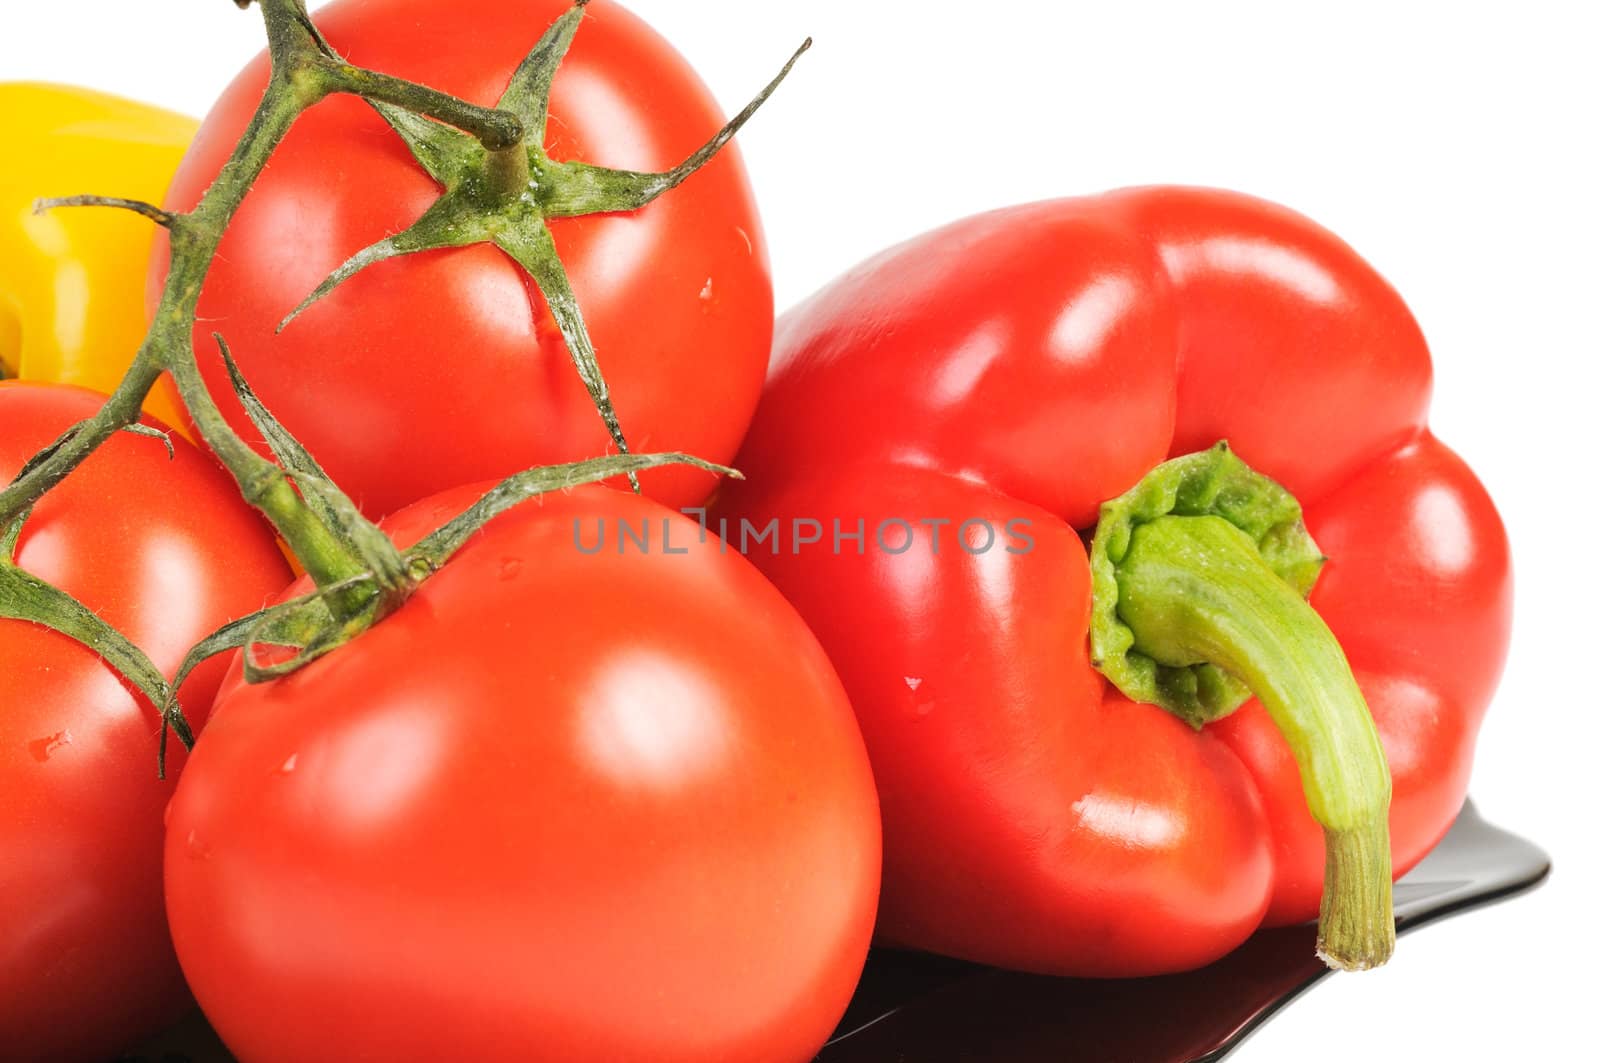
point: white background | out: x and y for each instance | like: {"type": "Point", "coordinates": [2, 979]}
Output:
{"type": "Point", "coordinates": [1450, 143]}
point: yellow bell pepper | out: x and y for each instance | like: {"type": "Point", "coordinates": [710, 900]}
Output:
{"type": "Point", "coordinates": [72, 280]}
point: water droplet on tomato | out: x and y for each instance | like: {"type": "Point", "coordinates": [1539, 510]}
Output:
{"type": "Point", "coordinates": [43, 748]}
{"type": "Point", "coordinates": [287, 767]}
{"type": "Point", "coordinates": [706, 293]}
{"type": "Point", "coordinates": [198, 850]}
{"type": "Point", "coordinates": [510, 567]}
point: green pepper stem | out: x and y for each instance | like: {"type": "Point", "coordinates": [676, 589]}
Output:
{"type": "Point", "coordinates": [1196, 590]}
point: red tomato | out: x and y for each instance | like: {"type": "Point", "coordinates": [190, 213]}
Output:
{"type": "Point", "coordinates": [165, 551]}
{"type": "Point", "coordinates": [560, 806]}
{"type": "Point", "coordinates": [445, 367]}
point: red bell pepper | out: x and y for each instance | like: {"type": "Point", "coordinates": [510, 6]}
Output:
{"type": "Point", "coordinates": [1074, 777]}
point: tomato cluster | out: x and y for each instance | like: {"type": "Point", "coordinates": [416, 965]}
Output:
{"type": "Point", "coordinates": [563, 804]}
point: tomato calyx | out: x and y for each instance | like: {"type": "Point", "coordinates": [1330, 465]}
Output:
{"type": "Point", "coordinates": [283, 638]}
{"type": "Point", "coordinates": [1200, 577]}
{"type": "Point", "coordinates": [504, 196]}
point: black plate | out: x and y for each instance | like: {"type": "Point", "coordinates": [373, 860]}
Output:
{"type": "Point", "coordinates": [925, 1009]}
{"type": "Point", "coordinates": [930, 1010]}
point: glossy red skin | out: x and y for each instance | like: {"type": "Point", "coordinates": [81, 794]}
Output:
{"type": "Point", "coordinates": [559, 806]}
{"type": "Point", "coordinates": [1048, 356]}
{"type": "Point", "coordinates": [446, 367]}
{"type": "Point", "coordinates": [165, 552]}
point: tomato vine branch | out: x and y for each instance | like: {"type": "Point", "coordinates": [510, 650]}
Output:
{"type": "Point", "coordinates": [138, 206]}
{"type": "Point", "coordinates": [307, 627]}
{"type": "Point", "coordinates": [499, 188]}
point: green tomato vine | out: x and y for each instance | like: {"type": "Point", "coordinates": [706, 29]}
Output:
{"type": "Point", "coordinates": [497, 186]}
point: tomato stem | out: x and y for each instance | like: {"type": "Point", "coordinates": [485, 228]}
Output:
{"type": "Point", "coordinates": [305, 69]}
{"type": "Point", "coordinates": [24, 596]}
{"type": "Point", "coordinates": [138, 206]}
{"type": "Point", "coordinates": [497, 130]}
{"type": "Point", "coordinates": [507, 175]}
{"type": "Point", "coordinates": [1200, 577]}
{"type": "Point", "coordinates": [312, 626]}
{"type": "Point", "coordinates": [51, 465]}
{"type": "Point", "coordinates": [360, 575]}
{"type": "Point", "coordinates": [265, 485]}
{"type": "Point", "coordinates": [327, 539]}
